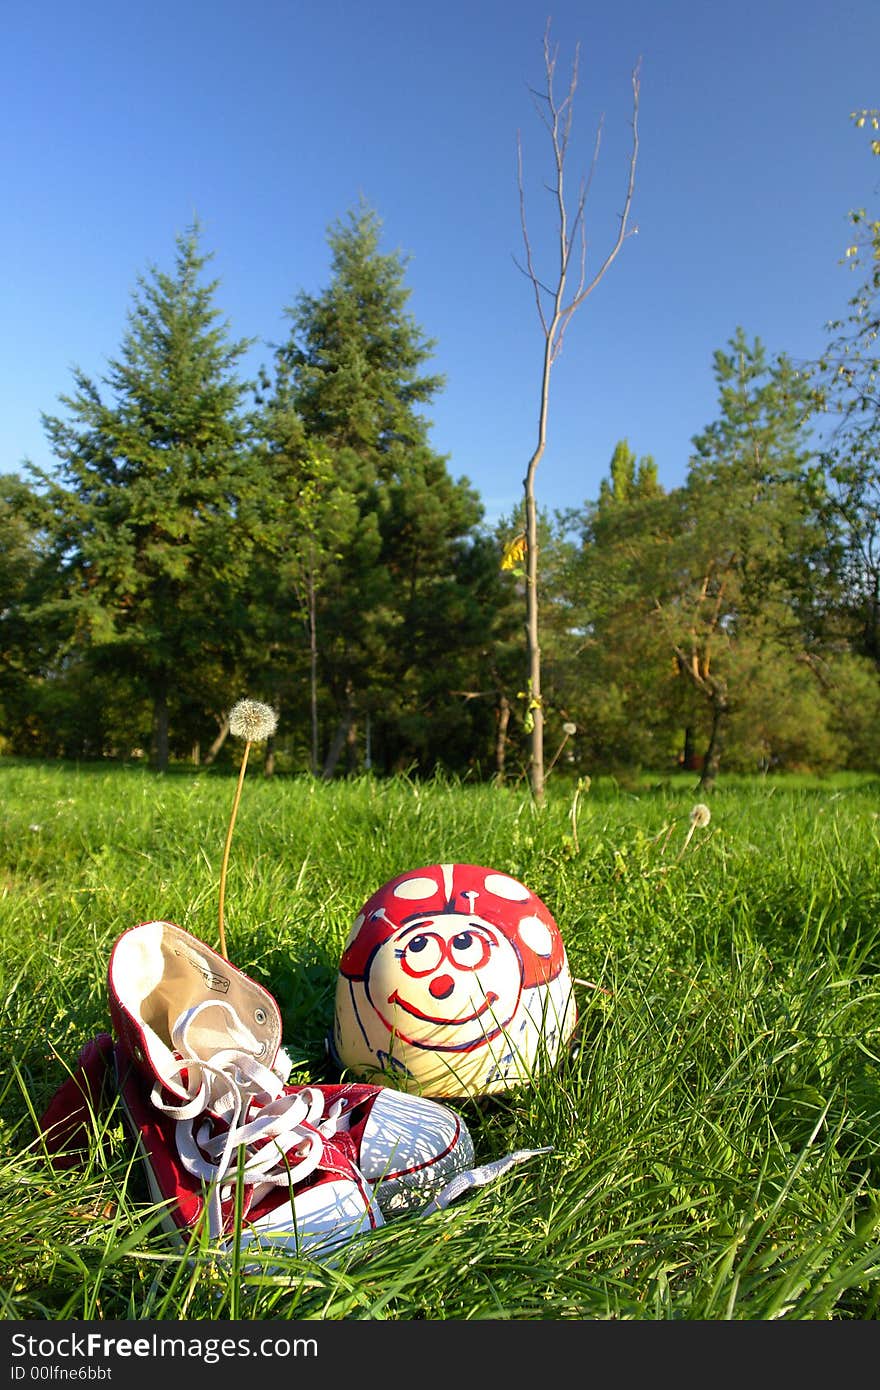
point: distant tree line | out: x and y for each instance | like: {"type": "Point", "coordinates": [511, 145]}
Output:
{"type": "Point", "coordinates": [200, 538]}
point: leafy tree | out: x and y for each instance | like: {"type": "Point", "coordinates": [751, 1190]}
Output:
{"type": "Point", "coordinates": [680, 592]}
{"type": "Point", "coordinates": [851, 692]}
{"type": "Point", "coordinates": [142, 508]}
{"type": "Point", "coordinates": [814, 716]}
{"type": "Point", "coordinates": [631, 704]}
{"type": "Point", "coordinates": [848, 386]}
{"type": "Point", "coordinates": [738, 531]}
{"type": "Point", "coordinates": [627, 480]}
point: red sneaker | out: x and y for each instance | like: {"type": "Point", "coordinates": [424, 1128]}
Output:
{"type": "Point", "coordinates": [72, 1117]}
{"type": "Point", "coordinates": [201, 1074]}
{"type": "Point", "coordinates": [196, 1061]}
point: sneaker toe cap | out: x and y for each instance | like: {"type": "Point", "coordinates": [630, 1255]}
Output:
{"type": "Point", "coordinates": [410, 1148]}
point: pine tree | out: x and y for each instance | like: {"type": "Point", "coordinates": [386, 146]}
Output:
{"type": "Point", "coordinates": [22, 642]}
{"type": "Point", "coordinates": [356, 364]}
{"type": "Point", "coordinates": [357, 354]}
{"type": "Point", "coordinates": [142, 507]}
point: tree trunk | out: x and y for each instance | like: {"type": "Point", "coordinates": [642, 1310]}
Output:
{"type": "Point", "coordinates": [502, 715]}
{"type": "Point", "coordinates": [313, 670]}
{"type": "Point", "coordinates": [351, 747]}
{"type": "Point", "coordinates": [872, 622]}
{"type": "Point", "coordinates": [535, 709]}
{"type": "Point", "coordinates": [712, 760]}
{"type": "Point", "coordinates": [341, 737]}
{"type": "Point", "coordinates": [160, 727]}
{"type": "Point", "coordinates": [689, 752]}
{"type": "Point", "coordinates": [218, 743]}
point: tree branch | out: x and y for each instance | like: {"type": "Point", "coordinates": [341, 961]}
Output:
{"type": "Point", "coordinates": [623, 229]}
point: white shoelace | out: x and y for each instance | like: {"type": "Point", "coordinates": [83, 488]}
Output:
{"type": "Point", "coordinates": [479, 1177]}
{"type": "Point", "coordinates": [282, 1135]}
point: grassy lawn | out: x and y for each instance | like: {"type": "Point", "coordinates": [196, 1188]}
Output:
{"type": "Point", "coordinates": [715, 1130]}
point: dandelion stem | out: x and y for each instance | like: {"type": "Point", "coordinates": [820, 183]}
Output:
{"type": "Point", "coordinates": [567, 730]}
{"type": "Point", "coordinates": [687, 839]}
{"type": "Point", "coordinates": [590, 984]}
{"type": "Point", "coordinates": [225, 864]}
{"type": "Point", "coordinates": [555, 757]}
{"type": "Point", "coordinates": [573, 816]}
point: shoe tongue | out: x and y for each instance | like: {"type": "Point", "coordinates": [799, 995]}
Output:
{"type": "Point", "coordinates": [212, 1027]}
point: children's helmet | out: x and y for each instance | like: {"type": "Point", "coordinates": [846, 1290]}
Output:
{"type": "Point", "coordinates": [454, 981]}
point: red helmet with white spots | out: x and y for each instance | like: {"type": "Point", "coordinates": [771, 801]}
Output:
{"type": "Point", "coordinates": [454, 981]}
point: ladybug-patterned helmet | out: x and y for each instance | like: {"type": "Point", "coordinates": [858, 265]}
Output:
{"type": "Point", "coordinates": [454, 981]}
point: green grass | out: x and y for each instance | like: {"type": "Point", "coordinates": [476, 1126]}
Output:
{"type": "Point", "coordinates": [715, 1132]}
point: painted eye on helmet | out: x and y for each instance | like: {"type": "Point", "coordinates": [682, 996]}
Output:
{"type": "Point", "coordinates": [421, 955]}
{"type": "Point", "coordinates": [469, 950]}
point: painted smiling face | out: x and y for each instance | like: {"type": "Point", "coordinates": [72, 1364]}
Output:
{"type": "Point", "coordinates": [455, 980]}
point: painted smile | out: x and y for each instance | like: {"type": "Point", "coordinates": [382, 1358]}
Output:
{"type": "Point", "coordinates": [490, 999]}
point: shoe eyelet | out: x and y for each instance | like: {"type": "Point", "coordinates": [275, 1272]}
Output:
{"type": "Point", "coordinates": [260, 1016]}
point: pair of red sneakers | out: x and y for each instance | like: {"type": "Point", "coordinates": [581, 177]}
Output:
{"type": "Point", "coordinates": [197, 1062]}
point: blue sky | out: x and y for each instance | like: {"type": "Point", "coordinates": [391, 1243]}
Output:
{"type": "Point", "coordinates": [124, 122]}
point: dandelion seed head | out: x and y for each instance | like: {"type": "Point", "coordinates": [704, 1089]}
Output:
{"type": "Point", "coordinates": [569, 728]}
{"type": "Point", "coordinates": [700, 814]}
{"type": "Point", "coordinates": [252, 721]}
